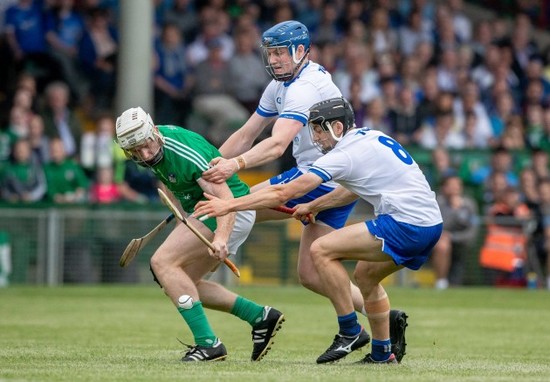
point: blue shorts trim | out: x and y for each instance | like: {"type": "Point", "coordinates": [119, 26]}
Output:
{"type": "Point", "coordinates": [333, 217]}
{"type": "Point", "coordinates": [407, 244]}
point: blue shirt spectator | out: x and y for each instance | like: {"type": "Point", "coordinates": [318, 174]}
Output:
{"type": "Point", "coordinates": [65, 26]}
{"type": "Point", "coordinates": [25, 28]}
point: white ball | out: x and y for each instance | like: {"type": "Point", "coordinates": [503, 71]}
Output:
{"type": "Point", "coordinates": [185, 301]}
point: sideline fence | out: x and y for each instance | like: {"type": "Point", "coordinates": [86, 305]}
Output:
{"type": "Point", "coordinates": [53, 246]}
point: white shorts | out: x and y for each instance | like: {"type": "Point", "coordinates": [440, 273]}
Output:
{"type": "Point", "coordinates": [244, 221]}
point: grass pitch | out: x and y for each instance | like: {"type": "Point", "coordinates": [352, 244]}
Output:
{"type": "Point", "coordinates": [128, 333]}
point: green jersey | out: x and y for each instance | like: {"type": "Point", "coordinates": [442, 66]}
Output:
{"type": "Point", "coordinates": [7, 139]}
{"type": "Point", "coordinates": [186, 157]}
{"type": "Point", "coordinates": [65, 177]}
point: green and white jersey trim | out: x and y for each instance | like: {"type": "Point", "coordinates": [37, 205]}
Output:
{"type": "Point", "coordinates": [187, 153]}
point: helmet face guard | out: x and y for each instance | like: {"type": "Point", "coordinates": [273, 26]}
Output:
{"type": "Point", "coordinates": [285, 37]}
{"type": "Point", "coordinates": [153, 146]}
{"type": "Point", "coordinates": [326, 112]}
{"type": "Point", "coordinates": [326, 127]}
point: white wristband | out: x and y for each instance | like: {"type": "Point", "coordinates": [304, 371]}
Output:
{"type": "Point", "coordinates": [237, 162]}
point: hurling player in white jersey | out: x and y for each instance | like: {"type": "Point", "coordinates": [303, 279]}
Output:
{"type": "Point", "coordinates": [297, 84]}
{"type": "Point", "coordinates": [408, 223]}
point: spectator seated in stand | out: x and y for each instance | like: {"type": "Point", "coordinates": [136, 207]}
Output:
{"type": "Point", "coordinates": [170, 78]}
{"type": "Point", "coordinates": [23, 177]}
{"type": "Point", "coordinates": [98, 147]}
{"type": "Point", "coordinates": [98, 56]}
{"type": "Point", "coordinates": [478, 168]}
{"type": "Point", "coordinates": [140, 180]}
{"type": "Point", "coordinates": [437, 165]}
{"type": "Point", "coordinates": [110, 187]}
{"type": "Point", "coordinates": [25, 32]}
{"type": "Point", "coordinates": [104, 190]}
{"type": "Point", "coordinates": [40, 144]}
{"type": "Point", "coordinates": [247, 74]}
{"type": "Point", "coordinates": [67, 182]}
{"type": "Point", "coordinates": [460, 228]}
{"type": "Point", "coordinates": [64, 29]}
{"type": "Point", "coordinates": [212, 96]}
{"type": "Point", "coordinates": [60, 119]}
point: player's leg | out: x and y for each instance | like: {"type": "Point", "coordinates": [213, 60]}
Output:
{"type": "Point", "coordinates": [356, 242]}
{"type": "Point", "coordinates": [404, 245]}
{"type": "Point", "coordinates": [307, 273]}
{"type": "Point", "coordinates": [368, 276]}
{"type": "Point", "coordinates": [441, 260]}
{"type": "Point", "coordinates": [351, 242]}
{"type": "Point", "coordinates": [264, 320]}
{"type": "Point", "coordinates": [178, 264]}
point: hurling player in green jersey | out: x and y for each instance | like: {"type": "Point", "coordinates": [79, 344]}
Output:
{"type": "Point", "coordinates": [178, 157]}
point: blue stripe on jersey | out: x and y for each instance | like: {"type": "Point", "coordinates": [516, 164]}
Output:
{"type": "Point", "coordinates": [294, 115]}
{"type": "Point", "coordinates": [320, 173]}
{"type": "Point", "coordinates": [288, 83]}
{"type": "Point", "coordinates": [265, 113]}
{"type": "Point", "coordinates": [187, 153]}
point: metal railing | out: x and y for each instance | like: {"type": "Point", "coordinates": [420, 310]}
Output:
{"type": "Point", "coordinates": [52, 245]}
{"type": "Point", "coordinates": [83, 245]}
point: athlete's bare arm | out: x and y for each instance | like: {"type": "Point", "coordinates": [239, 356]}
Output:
{"type": "Point", "coordinates": [338, 197]}
{"type": "Point", "coordinates": [269, 149]}
{"type": "Point", "coordinates": [271, 196]}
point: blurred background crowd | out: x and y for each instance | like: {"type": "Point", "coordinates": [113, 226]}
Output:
{"type": "Point", "coordinates": [464, 85]}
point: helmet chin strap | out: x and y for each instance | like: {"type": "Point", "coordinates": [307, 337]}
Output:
{"type": "Point", "coordinates": [328, 126]}
{"type": "Point", "coordinates": [150, 162]}
{"type": "Point", "coordinates": [155, 160]}
{"type": "Point", "coordinates": [296, 61]}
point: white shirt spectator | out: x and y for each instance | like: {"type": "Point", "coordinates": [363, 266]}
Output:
{"type": "Point", "coordinates": [483, 131]}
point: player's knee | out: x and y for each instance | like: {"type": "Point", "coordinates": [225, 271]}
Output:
{"type": "Point", "coordinates": [155, 279]}
{"type": "Point", "coordinates": [308, 279]}
{"type": "Point", "coordinates": [366, 278]}
{"type": "Point", "coordinates": [318, 252]}
{"type": "Point", "coordinates": [156, 269]}
{"type": "Point", "coordinates": [443, 245]}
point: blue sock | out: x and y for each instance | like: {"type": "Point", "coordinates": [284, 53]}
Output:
{"type": "Point", "coordinates": [381, 349]}
{"type": "Point", "coordinates": [349, 326]}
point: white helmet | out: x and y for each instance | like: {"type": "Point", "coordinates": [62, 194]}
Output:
{"type": "Point", "coordinates": [133, 128]}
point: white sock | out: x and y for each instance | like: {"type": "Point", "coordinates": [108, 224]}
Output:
{"type": "Point", "coordinates": [441, 284]}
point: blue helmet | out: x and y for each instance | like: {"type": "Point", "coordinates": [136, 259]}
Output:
{"type": "Point", "coordinates": [287, 34]}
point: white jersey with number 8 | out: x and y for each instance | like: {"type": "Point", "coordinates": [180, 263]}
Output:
{"type": "Point", "coordinates": [375, 167]}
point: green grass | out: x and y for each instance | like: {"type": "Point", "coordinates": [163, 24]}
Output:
{"type": "Point", "coordinates": [128, 333]}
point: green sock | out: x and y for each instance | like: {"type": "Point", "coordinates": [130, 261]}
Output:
{"type": "Point", "coordinates": [247, 310]}
{"type": "Point", "coordinates": [199, 325]}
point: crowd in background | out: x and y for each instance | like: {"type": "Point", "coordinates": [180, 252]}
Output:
{"type": "Point", "coordinates": [420, 70]}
